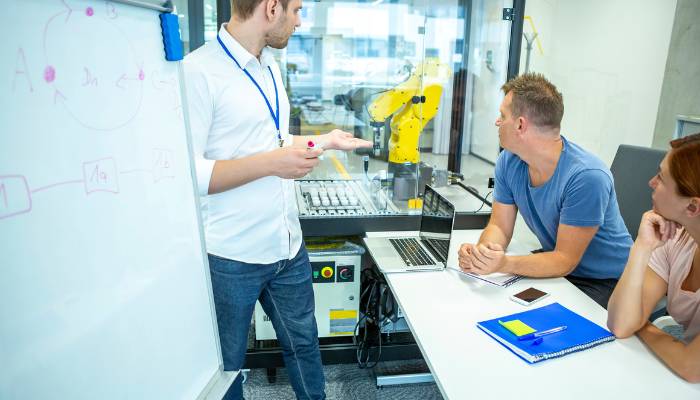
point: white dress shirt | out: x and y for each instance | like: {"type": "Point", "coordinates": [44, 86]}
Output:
{"type": "Point", "coordinates": [258, 222]}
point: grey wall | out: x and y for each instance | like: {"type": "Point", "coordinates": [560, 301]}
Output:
{"type": "Point", "coordinates": [680, 93]}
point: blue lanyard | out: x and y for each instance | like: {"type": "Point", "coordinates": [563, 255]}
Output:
{"type": "Point", "coordinates": [275, 116]}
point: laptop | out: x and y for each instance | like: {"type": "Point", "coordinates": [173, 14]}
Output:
{"type": "Point", "coordinates": [425, 252]}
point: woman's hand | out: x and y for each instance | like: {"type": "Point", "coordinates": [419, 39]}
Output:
{"type": "Point", "coordinates": [655, 230]}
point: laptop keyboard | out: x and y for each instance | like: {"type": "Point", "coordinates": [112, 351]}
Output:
{"type": "Point", "coordinates": [441, 246]}
{"type": "Point", "coordinates": [411, 252]}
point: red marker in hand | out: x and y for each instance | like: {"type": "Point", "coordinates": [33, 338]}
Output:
{"type": "Point", "coordinates": [310, 145]}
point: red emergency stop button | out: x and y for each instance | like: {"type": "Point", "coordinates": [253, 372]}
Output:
{"type": "Point", "coordinates": [327, 272]}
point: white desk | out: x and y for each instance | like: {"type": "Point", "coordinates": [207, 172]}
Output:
{"type": "Point", "coordinates": [442, 309]}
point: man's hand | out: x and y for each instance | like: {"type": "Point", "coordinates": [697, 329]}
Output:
{"type": "Point", "coordinates": [341, 140]}
{"type": "Point", "coordinates": [487, 258]}
{"type": "Point", "coordinates": [655, 230]}
{"type": "Point", "coordinates": [465, 257]}
{"type": "Point", "coordinates": [294, 162]}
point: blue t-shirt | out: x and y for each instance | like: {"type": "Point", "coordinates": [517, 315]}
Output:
{"type": "Point", "coordinates": [579, 193]}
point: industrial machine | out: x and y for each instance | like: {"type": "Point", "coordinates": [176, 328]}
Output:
{"type": "Point", "coordinates": [335, 269]}
{"type": "Point", "coordinates": [318, 198]}
{"type": "Point", "coordinates": [411, 105]}
{"type": "Point", "coordinates": [404, 110]}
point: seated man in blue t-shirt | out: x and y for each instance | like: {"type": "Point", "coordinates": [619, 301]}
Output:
{"type": "Point", "coordinates": [564, 193]}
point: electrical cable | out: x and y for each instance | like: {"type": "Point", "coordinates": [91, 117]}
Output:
{"type": "Point", "coordinates": [375, 290]}
{"type": "Point", "coordinates": [361, 342]}
{"type": "Point", "coordinates": [484, 202]}
{"type": "Point", "coordinates": [475, 193]}
{"type": "Point", "coordinates": [365, 165]}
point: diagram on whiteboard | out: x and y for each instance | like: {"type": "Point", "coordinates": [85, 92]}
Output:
{"type": "Point", "coordinates": [101, 84]}
{"type": "Point", "coordinates": [101, 175]}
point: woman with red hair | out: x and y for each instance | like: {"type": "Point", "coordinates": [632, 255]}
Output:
{"type": "Point", "coordinates": [665, 261]}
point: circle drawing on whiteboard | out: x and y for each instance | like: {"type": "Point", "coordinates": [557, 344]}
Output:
{"type": "Point", "coordinates": [96, 74]}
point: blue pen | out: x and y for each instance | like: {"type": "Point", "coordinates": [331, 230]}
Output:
{"type": "Point", "coordinates": [542, 333]}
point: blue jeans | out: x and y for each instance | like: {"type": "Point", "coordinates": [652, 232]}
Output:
{"type": "Point", "coordinates": [286, 294]}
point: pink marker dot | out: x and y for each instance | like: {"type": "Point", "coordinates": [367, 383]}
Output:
{"type": "Point", "coordinates": [89, 12]}
{"type": "Point", "coordinates": [141, 75]}
{"type": "Point", "coordinates": [49, 74]}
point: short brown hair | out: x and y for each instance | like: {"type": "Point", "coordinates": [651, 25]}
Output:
{"type": "Point", "coordinates": [684, 165]}
{"type": "Point", "coordinates": [245, 8]}
{"type": "Point", "coordinates": [536, 98]}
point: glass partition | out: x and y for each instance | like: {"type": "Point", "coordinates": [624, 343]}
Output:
{"type": "Point", "coordinates": [210, 24]}
{"type": "Point", "coordinates": [385, 71]}
{"type": "Point", "coordinates": [486, 70]}
{"type": "Point", "coordinates": [368, 79]}
{"type": "Point", "coordinates": [181, 10]}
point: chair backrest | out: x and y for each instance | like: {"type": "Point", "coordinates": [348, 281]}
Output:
{"type": "Point", "coordinates": [632, 168]}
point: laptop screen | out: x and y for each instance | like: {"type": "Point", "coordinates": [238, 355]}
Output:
{"type": "Point", "coordinates": [438, 215]}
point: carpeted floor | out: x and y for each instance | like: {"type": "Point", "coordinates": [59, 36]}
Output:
{"type": "Point", "coordinates": [346, 381]}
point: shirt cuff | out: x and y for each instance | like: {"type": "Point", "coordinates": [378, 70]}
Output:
{"type": "Point", "coordinates": [658, 271]}
{"type": "Point", "coordinates": [581, 222]}
{"type": "Point", "coordinates": [656, 264]}
{"type": "Point", "coordinates": [288, 139]}
{"type": "Point", "coordinates": [204, 168]}
{"type": "Point", "coordinates": [503, 200]}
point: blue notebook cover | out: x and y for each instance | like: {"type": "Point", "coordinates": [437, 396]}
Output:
{"type": "Point", "coordinates": [580, 333]}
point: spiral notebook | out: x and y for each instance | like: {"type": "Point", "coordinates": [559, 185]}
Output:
{"type": "Point", "coordinates": [496, 278]}
{"type": "Point", "coordinates": [579, 334]}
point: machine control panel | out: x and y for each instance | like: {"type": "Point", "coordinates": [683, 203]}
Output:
{"type": "Point", "coordinates": [346, 273]}
{"type": "Point", "coordinates": [328, 272]}
{"type": "Point", "coordinates": [336, 293]}
{"type": "Point", "coordinates": [323, 272]}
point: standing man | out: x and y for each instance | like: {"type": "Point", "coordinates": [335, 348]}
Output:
{"type": "Point", "coordinates": [246, 161]}
{"type": "Point", "coordinates": [564, 193]}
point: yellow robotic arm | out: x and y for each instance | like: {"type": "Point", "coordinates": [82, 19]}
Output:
{"type": "Point", "coordinates": [413, 103]}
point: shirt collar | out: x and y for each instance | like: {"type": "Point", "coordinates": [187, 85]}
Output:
{"type": "Point", "coordinates": [242, 55]}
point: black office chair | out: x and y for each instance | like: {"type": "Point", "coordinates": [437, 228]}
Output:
{"type": "Point", "coordinates": [632, 168]}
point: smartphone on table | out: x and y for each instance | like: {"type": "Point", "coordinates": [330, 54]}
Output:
{"type": "Point", "coordinates": [529, 296]}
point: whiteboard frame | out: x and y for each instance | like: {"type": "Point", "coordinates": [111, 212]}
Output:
{"type": "Point", "coordinates": [222, 379]}
{"type": "Point", "coordinates": [165, 6]}
{"type": "Point", "coordinates": [218, 384]}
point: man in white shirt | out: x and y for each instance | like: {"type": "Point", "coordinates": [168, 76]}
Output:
{"type": "Point", "coordinates": [246, 161]}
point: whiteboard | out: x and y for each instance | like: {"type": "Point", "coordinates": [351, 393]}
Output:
{"type": "Point", "coordinates": [104, 286]}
